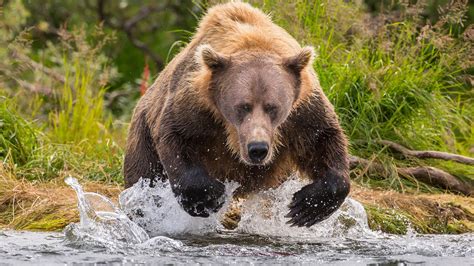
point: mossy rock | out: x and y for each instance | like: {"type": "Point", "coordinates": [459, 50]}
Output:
{"type": "Point", "coordinates": [387, 220]}
{"type": "Point", "coordinates": [51, 220]}
{"type": "Point", "coordinates": [396, 221]}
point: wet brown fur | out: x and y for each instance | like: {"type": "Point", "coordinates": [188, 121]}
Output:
{"type": "Point", "coordinates": [178, 103]}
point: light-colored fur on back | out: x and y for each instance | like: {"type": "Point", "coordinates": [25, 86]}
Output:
{"type": "Point", "coordinates": [238, 30]}
{"type": "Point", "coordinates": [233, 27]}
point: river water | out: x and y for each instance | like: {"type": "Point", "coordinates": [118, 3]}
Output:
{"type": "Point", "coordinates": [161, 232]}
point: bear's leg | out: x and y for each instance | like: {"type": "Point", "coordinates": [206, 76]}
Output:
{"type": "Point", "coordinates": [198, 193]}
{"type": "Point", "coordinates": [141, 158]}
{"type": "Point", "coordinates": [326, 163]}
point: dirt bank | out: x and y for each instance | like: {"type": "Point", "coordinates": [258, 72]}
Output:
{"type": "Point", "coordinates": [50, 206]}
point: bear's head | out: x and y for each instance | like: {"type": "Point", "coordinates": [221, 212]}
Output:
{"type": "Point", "coordinates": [254, 94]}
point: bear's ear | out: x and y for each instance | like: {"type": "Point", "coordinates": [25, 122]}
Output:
{"type": "Point", "coordinates": [212, 59]}
{"type": "Point", "coordinates": [298, 62]}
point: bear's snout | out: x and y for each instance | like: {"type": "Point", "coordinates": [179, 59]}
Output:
{"type": "Point", "coordinates": [257, 151]}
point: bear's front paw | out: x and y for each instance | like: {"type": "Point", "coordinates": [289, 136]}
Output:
{"type": "Point", "coordinates": [200, 195]}
{"type": "Point", "coordinates": [316, 202]}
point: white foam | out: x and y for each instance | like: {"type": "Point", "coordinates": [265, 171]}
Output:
{"type": "Point", "coordinates": [152, 214]}
{"type": "Point", "coordinates": [157, 211]}
{"type": "Point", "coordinates": [263, 214]}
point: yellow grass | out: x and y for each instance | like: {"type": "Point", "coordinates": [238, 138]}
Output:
{"type": "Point", "coordinates": [42, 205]}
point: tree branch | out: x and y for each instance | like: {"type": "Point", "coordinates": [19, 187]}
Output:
{"type": "Point", "coordinates": [128, 27]}
{"type": "Point", "coordinates": [143, 13]}
{"type": "Point", "coordinates": [38, 66]}
{"type": "Point", "coordinates": [437, 177]}
{"type": "Point", "coordinates": [113, 96]}
{"type": "Point", "coordinates": [34, 87]}
{"type": "Point", "coordinates": [427, 154]}
{"type": "Point", "coordinates": [429, 175]}
{"type": "Point", "coordinates": [147, 50]}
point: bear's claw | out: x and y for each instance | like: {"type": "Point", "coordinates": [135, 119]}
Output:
{"type": "Point", "coordinates": [201, 204]}
{"type": "Point", "coordinates": [314, 203]}
{"type": "Point", "coordinates": [200, 195]}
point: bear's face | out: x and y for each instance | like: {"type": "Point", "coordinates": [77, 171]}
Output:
{"type": "Point", "coordinates": [255, 95]}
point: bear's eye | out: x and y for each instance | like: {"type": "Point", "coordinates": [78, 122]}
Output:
{"type": "Point", "coordinates": [243, 110]}
{"type": "Point", "coordinates": [271, 110]}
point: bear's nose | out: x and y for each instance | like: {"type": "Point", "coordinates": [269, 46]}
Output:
{"type": "Point", "coordinates": [257, 151]}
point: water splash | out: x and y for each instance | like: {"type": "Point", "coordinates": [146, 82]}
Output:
{"type": "Point", "coordinates": [145, 212]}
{"type": "Point", "coordinates": [157, 211]}
{"type": "Point", "coordinates": [101, 222]}
{"type": "Point", "coordinates": [263, 214]}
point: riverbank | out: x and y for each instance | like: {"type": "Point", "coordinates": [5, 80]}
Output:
{"type": "Point", "coordinates": [50, 206]}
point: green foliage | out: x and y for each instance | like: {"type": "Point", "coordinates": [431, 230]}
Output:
{"type": "Point", "coordinates": [387, 220]}
{"type": "Point", "coordinates": [145, 30]}
{"type": "Point", "coordinates": [395, 84]}
{"type": "Point", "coordinates": [62, 90]}
{"type": "Point", "coordinates": [18, 139]}
{"type": "Point", "coordinates": [80, 114]}
{"type": "Point", "coordinates": [13, 17]}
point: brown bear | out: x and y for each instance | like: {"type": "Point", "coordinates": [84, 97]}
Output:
{"type": "Point", "coordinates": [240, 102]}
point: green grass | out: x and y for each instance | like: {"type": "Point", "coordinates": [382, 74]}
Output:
{"type": "Point", "coordinates": [78, 137]}
{"type": "Point", "coordinates": [18, 139]}
{"type": "Point", "coordinates": [387, 220]}
{"type": "Point", "coordinates": [80, 115]}
{"type": "Point", "coordinates": [64, 127]}
{"type": "Point", "coordinates": [434, 221]}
